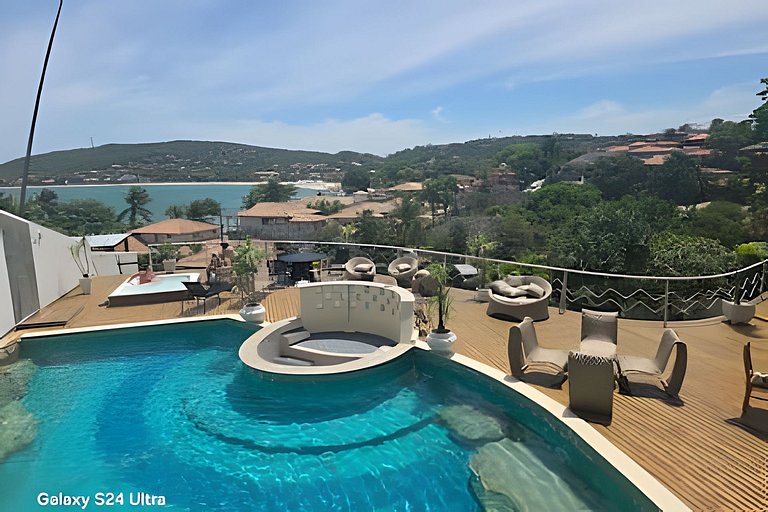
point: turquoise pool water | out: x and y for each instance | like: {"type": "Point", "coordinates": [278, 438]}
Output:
{"type": "Point", "coordinates": [171, 411]}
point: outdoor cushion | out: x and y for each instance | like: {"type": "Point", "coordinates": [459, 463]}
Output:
{"type": "Point", "coordinates": [533, 290]}
{"type": "Point", "coordinates": [421, 273]}
{"type": "Point", "coordinates": [760, 380]}
{"type": "Point", "coordinates": [504, 289]}
{"type": "Point", "coordinates": [403, 267]}
{"type": "Point", "coordinates": [514, 280]}
{"type": "Point", "coordinates": [363, 267]}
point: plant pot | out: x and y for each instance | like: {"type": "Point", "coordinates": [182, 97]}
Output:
{"type": "Point", "coordinates": [169, 265]}
{"type": "Point", "coordinates": [738, 313]}
{"type": "Point", "coordinates": [85, 285]}
{"type": "Point", "coordinates": [441, 342]}
{"type": "Point", "coordinates": [253, 312]}
{"type": "Point", "coordinates": [481, 295]}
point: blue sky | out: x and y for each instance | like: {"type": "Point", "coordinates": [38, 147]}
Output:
{"type": "Point", "coordinates": [372, 76]}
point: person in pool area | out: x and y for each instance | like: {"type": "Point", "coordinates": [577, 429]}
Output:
{"type": "Point", "coordinates": [146, 276]}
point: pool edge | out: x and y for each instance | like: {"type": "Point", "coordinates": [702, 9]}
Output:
{"type": "Point", "coordinates": [645, 482]}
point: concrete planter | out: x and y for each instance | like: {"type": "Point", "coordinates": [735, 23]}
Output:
{"type": "Point", "coordinates": [169, 265]}
{"type": "Point", "coordinates": [738, 313]}
{"type": "Point", "coordinates": [85, 285]}
{"type": "Point", "coordinates": [441, 342]}
{"type": "Point", "coordinates": [481, 295]}
{"type": "Point", "coordinates": [253, 312]}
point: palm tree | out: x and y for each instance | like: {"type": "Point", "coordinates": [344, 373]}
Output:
{"type": "Point", "coordinates": [136, 198]}
{"type": "Point", "coordinates": [348, 230]}
{"type": "Point", "coordinates": [478, 245]}
{"type": "Point", "coordinates": [407, 216]}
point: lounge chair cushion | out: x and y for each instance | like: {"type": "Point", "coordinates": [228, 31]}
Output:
{"type": "Point", "coordinates": [514, 281]}
{"type": "Point", "coordinates": [760, 380]}
{"type": "Point", "coordinates": [403, 267]}
{"type": "Point", "coordinates": [533, 290]}
{"type": "Point", "coordinates": [504, 289]}
{"type": "Point", "coordinates": [363, 267]}
{"type": "Point", "coordinates": [421, 273]}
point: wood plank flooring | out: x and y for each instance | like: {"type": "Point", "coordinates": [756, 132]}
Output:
{"type": "Point", "coordinates": [688, 445]}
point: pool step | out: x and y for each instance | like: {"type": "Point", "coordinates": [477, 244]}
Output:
{"type": "Point", "coordinates": [292, 361]}
{"type": "Point", "coordinates": [296, 336]}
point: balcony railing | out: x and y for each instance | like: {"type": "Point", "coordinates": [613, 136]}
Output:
{"type": "Point", "coordinates": [666, 298]}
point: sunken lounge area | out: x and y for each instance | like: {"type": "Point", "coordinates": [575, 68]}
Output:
{"type": "Point", "coordinates": [343, 326]}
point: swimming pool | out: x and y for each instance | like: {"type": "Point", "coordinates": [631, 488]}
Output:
{"type": "Point", "coordinates": [170, 410]}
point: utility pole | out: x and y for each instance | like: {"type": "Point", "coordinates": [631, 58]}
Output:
{"type": "Point", "coordinates": [25, 174]}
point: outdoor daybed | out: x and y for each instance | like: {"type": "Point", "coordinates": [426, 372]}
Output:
{"type": "Point", "coordinates": [517, 297]}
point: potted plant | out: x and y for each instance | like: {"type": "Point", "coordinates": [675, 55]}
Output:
{"type": "Point", "coordinates": [167, 253]}
{"type": "Point", "coordinates": [478, 245]}
{"type": "Point", "coordinates": [79, 253]}
{"type": "Point", "coordinates": [245, 264]}
{"type": "Point", "coordinates": [736, 312]}
{"type": "Point", "coordinates": [441, 339]}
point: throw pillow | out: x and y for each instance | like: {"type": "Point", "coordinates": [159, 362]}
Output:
{"type": "Point", "coordinates": [403, 267]}
{"type": "Point", "coordinates": [533, 290]}
{"type": "Point", "coordinates": [363, 267]}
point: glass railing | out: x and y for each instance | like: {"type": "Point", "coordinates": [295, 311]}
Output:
{"type": "Point", "coordinates": [665, 298]}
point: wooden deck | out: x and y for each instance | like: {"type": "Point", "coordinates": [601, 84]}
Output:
{"type": "Point", "coordinates": [689, 445]}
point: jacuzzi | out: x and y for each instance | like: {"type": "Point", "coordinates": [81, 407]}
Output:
{"type": "Point", "coordinates": [163, 288]}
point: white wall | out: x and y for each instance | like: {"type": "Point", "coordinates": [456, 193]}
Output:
{"type": "Point", "coordinates": [6, 305]}
{"type": "Point", "coordinates": [56, 270]}
{"type": "Point", "coordinates": [106, 263]}
{"type": "Point", "coordinates": [358, 307]}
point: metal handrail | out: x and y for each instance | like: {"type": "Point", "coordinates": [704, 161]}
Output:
{"type": "Point", "coordinates": [562, 305]}
{"type": "Point", "coordinates": [531, 265]}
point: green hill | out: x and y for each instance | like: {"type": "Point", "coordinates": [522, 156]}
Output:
{"type": "Point", "coordinates": [178, 161]}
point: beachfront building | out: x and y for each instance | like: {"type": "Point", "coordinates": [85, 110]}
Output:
{"type": "Point", "coordinates": [291, 220]}
{"type": "Point", "coordinates": [177, 230]}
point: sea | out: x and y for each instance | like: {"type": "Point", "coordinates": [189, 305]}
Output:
{"type": "Point", "coordinates": [229, 195]}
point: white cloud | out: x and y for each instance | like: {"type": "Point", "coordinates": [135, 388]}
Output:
{"type": "Point", "coordinates": [437, 113]}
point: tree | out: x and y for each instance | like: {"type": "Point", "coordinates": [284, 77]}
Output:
{"type": "Point", "coordinates": [355, 179]}
{"type": "Point", "coordinates": [136, 198]}
{"type": "Point", "coordinates": [682, 255]}
{"type": "Point", "coordinates": [726, 138]}
{"type": "Point", "coordinates": [270, 192]}
{"type": "Point", "coordinates": [176, 211]}
{"type": "Point", "coordinates": [440, 192]}
{"type": "Point", "coordinates": [619, 176]}
{"type": "Point", "coordinates": [678, 180]}
{"type": "Point", "coordinates": [759, 116]}
{"type": "Point", "coordinates": [527, 160]}
{"type": "Point", "coordinates": [407, 225]}
{"type": "Point", "coordinates": [479, 245]}
{"type": "Point", "coordinates": [721, 220]}
{"type": "Point", "coordinates": [199, 209]}
{"type": "Point", "coordinates": [84, 217]}
{"type": "Point", "coordinates": [373, 230]}
{"type": "Point", "coordinates": [326, 207]}
{"type": "Point", "coordinates": [553, 205]}
{"type": "Point", "coordinates": [613, 236]}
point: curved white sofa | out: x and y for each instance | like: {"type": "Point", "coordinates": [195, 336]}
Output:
{"type": "Point", "coordinates": [384, 311]}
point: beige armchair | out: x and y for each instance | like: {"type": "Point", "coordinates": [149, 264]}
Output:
{"type": "Point", "coordinates": [403, 269]}
{"type": "Point", "coordinates": [590, 387]}
{"type": "Point", "coordinates": [359, 269]}
{"type": "Point", "coordinates": [630, 365]}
